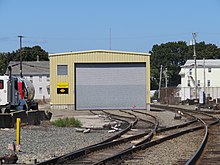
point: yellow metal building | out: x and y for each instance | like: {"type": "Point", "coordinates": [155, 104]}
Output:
{"type": "Point", "coordinates": [100, 79]}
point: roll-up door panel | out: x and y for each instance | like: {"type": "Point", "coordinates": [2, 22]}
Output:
{"type": "Point", "coordinates": [111, 86]}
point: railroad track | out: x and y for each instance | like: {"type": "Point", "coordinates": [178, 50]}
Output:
{"type": "Point", "coordinates": [209, 149]}
{"type": "Point", "coordinates": [120, 142]}
{"type": "Point", "coordinates": [130, 154]}
{"type": "Point", "coordinates": [211, 153]}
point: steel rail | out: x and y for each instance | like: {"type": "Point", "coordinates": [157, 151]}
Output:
{"type": "Point", "coordinates": [202, 145]}
{"type": "Point", "coordinates": [143, 146]}
{"type": "Point", "coordinates": [149, 144]}
{"type": "Point", "coordinates": [86, 150]}
{"type": "Point", "coordinates": [171, 127]}
{"type": "Point", "coordinates": [122, 131]}
{"type": "Point", "coordinates": [147, 137]}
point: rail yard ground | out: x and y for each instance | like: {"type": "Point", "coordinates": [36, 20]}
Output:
{"type": "Point", "coordinates": [45, 141]}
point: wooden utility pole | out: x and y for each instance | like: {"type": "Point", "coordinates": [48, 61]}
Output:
{"type": "Point", "coordinates": [21, 55]}
{"type": "Point", "coordinates": [161, 71]}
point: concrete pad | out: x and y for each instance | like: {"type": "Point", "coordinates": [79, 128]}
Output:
{"type": "Point", "coordinates": [87, 119]}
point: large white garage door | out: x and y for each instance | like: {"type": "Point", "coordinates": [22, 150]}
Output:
{"type": "Point", "coordinates": [110, 86]}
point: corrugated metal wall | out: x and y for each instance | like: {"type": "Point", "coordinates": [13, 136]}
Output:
{"type": "Point", "coordinates": [100, 56]}
{"type": "Point", "coordinates": [111, 86]}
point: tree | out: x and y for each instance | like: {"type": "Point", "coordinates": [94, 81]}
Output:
{"type": "Point", "coordinates": [28, 54]}
{"type": "Point", "coordinates": [173, 55]}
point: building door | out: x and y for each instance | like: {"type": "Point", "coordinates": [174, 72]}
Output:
{"type": "Point", "coordinates": [110, 86]}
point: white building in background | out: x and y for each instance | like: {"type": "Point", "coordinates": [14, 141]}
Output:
{"type": "Point", "coordinates": [38, 72]}
{"type": "Point", "coordinates": [208, 79]}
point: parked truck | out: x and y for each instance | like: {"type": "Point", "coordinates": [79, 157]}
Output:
{"type": "Point", "coordinates": [16, 94]}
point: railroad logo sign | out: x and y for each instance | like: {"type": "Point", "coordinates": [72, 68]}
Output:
{"type": "Point", "coordinates": [62, 88]}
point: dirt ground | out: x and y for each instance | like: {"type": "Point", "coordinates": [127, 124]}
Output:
{"type": "Point", "coordinates": [87, 119]}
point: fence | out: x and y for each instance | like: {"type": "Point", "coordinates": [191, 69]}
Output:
{"type": "Point", "coordinates": [175, 95]}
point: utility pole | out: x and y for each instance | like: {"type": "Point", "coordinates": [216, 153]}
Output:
{"type": "Point", "coordinates": [166, 81]}
{"type": "Point", "coordinates": [166, 77]}
{"type": "Point", "coordinates": [110, 39]}
{"type": "Point", "coordinates": [195, 65]}
{"type": "Point", "coordinates": [161, 70]}
{"type": "Point", "coordinates": [20, 37]}
{"type": "Point", "coordinates": [204, 78]}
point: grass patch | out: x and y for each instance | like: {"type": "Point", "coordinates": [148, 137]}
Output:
{"type": "Point", "coordinates": [67, 122]}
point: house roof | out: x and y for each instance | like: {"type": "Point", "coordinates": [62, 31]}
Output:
{"type": "Point", "coordinates": [101, 51]}
{"type": "Point", "coordinates": [212, 63]}
{"type": "Point", "coordinates": [30, 68]}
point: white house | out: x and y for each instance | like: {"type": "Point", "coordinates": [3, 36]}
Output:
{"type": "Point", "coordinates": [38, 72]}
{"type": "Point", "coordinates": [207, 75]}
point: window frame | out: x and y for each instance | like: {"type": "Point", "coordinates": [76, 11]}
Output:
{"type": "Point", "coordinates": [2, 84]}
{"type": "Point", "coordinates": [198, 83]}
{"type": "Point", "coordinates": [190, 71]}
{"type": "Point", "coordinates": [208, 83]}
{"type": "Point", "coordinates": [62, 70]}
{"type": "Point", "coordinates": [40, 90]}
{"type": "Point", "coordinates": [188, 83]}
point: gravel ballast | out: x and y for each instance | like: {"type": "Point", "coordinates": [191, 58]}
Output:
{"type": "Point", "coordinates": [46, 141]}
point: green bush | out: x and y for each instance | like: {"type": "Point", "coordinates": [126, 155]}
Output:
{"type": "Point", "coordinates": [67, 122]}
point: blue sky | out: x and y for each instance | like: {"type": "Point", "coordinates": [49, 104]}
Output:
{"type": "Point", "coordinates": [134, 25]}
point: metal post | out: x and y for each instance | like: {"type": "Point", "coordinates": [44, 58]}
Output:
{"type": "Point", "coordinates": [18, 125]}
{"type": "Point", "coordinates": [204, 78]}
{"type": "Point", "coordinates": [166, 80]}
{"type": "Point", "coordinates": [161, 70]}
{"type": "Point", "coordinates": [195, 65]}
{"type": "Point", "coordinates": [110, 39]}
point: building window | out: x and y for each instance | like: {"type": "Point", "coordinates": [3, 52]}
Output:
{"type": "Point", "coordinates": [62, 69]}
{"type": "Point", "coordinates": [190, 71]}
{"type": "Point", "coordinates": [208, 83]}
{"type": "Point", "coordinates": [198, 83]}
{"type": "Point", "coordinates": [1, 84]}
{"type": "Point", "coordinates": [40, 90]}
{"type": "Point", "coordinates": [188, 83]}
{"type": "Point", "coordinates": [48, 89]}
{"type": "Point", "coordinates": [209, 96]}
{"type": "Point", "coordinates": [31, 79]}
{"type": "Point", "coordinates": [48, 78]}
{"type": "Point", "coordinates": [209, 70]}
{"type": "Point", "coordinates": [40, 78]}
